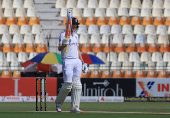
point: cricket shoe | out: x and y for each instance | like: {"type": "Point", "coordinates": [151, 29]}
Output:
{"type": "Point", "coordinates": [58, 107]}
{"type": "Point", "coordinates": [76, 110]}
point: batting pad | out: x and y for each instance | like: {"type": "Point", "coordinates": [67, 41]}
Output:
{"type": "Point", "coordinates": [76, 93]}
{"type": "Point", "coordinates": [65, 89]}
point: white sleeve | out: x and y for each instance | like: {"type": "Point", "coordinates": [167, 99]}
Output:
{"type": "Point", "coordinates": [61, 38]}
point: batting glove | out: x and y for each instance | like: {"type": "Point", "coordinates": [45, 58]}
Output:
{"type": "Point", "coordinates": [66, 41]}
{"type": "Point", "coordinates": [84, 68]}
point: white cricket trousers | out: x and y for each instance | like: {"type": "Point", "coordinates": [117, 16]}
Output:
{"type": "Point", "coordinates": [71, 69]}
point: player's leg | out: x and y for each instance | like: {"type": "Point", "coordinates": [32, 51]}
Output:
{"type": "Point", "coordinates": [76, 88]}
{"type": "Point", "coordinates": [65, 89]}
{"type": "Point", "coordinates": [76, 93]}
{"type": "Point", "coordinates": [66, 86]}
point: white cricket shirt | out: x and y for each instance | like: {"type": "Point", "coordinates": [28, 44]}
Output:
{"type": "Point", "coordinates": [72, 48]}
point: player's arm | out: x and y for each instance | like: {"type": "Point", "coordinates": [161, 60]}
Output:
{"type": "Point", "coordinates": [84, 65]}
{"type": "Point", "coordinates": [80, 57]}
{"type": "Point", "coordinates": [63, 42]}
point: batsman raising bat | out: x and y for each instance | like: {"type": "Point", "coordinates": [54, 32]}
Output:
{"type": "Point", "coordinates": [72, 65]}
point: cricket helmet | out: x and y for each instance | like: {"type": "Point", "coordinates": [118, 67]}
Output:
{"type": "Point", "coordinates": [75, 22]}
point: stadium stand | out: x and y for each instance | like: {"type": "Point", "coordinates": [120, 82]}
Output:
{"type": "Point", "coordinates": [131, 36]}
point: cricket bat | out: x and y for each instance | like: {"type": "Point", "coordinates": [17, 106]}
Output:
{"type": "Point", "coordinates": [68, 25]}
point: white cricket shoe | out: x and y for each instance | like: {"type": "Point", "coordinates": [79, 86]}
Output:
{"type": "Point", "coordinates": [76, 110]}
{"type": "Point", "coordinates": [58, 107]}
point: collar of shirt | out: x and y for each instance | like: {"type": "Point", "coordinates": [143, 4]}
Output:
{"type": "Point", "coordinates": [72, 35]}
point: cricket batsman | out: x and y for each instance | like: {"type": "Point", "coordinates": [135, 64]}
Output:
{"type": "Point", "coordinates": [72, 65]}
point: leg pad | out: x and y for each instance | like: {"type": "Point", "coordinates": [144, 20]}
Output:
{"type": "Point", "coordinates": [65, 89]}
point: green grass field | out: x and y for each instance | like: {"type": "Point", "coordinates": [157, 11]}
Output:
{"type": "Point", "coordinates": [91, 110]}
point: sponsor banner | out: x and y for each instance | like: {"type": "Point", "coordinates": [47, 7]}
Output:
{"type": "Point", "coordinates": [111, 99]}
{"type": "Point", "coordinates": [86, 99]}
{"type": "Point", "coordinates": [20, 99]}
{"type": "Point", "coordinates": [135, 99]}
{"type": "Point", "coordinates": [154, 99]}
{"type": "Point", "coordinates": [82, 99]}
{"type": "Point", "coordinates": [26, 86]}
{"type": "Point", "coordinates": [32, 98]}
{"type": "Point", "coordinates": [11, 99]}
{"type": "Point", "coordinates": [105, 87]}
{"type": "Point", "coordinates": [153, 87]}
{"type": "Point", "coordinates": [53, 98]}
{"type": "Point", "coordinates": [148, 99]}
{"type": "Point", "coordinates": [89, 99]}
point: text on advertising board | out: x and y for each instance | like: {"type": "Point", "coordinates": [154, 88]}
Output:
{"type": "Point", "coordinates": [155, 87]}
{"type": "Point", "coordinates": [105, 87]}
